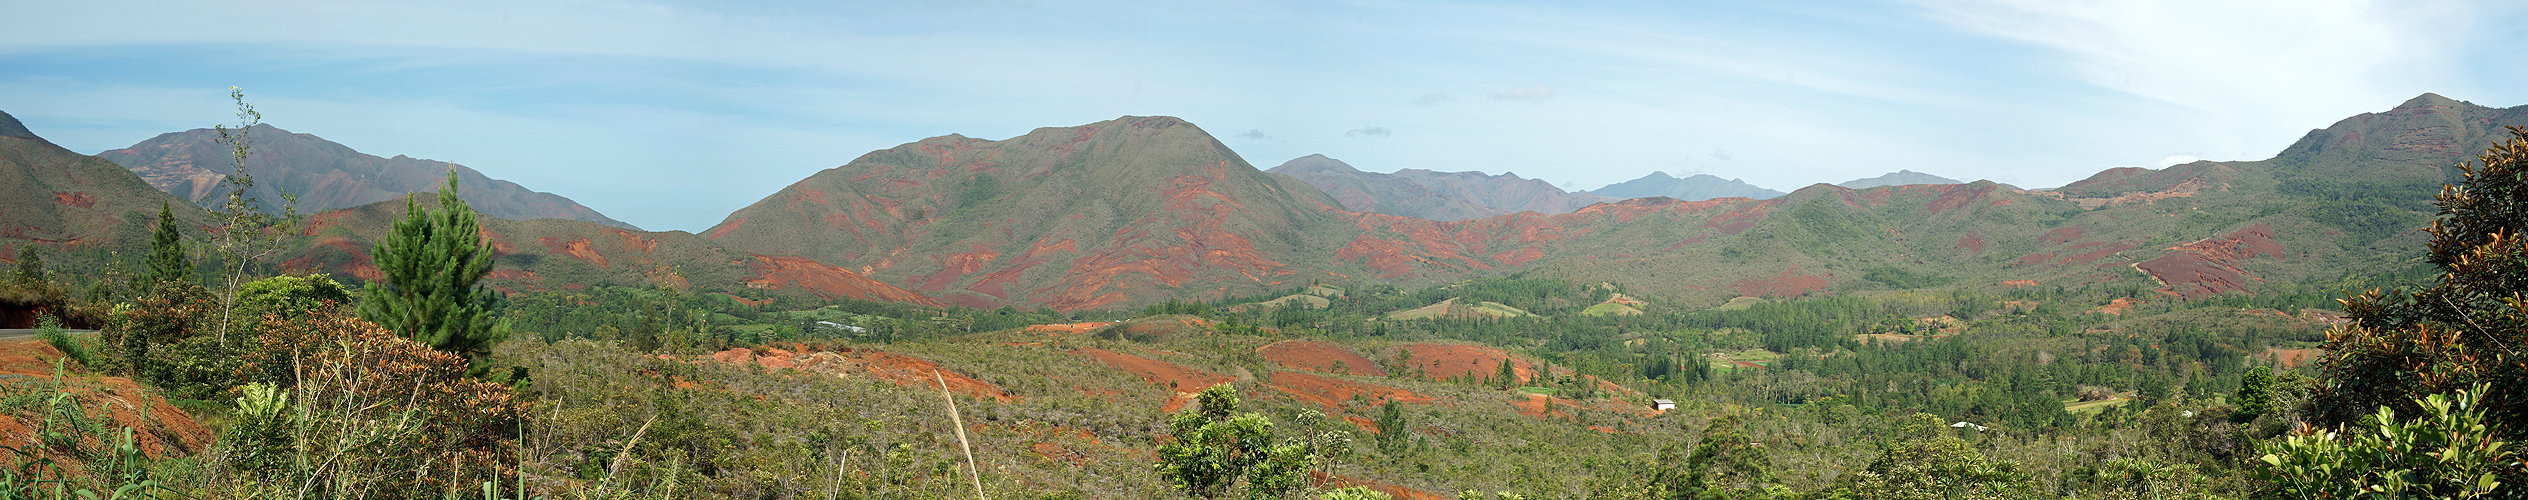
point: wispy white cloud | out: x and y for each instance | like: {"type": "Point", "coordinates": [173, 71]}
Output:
{"type": "Point", "coordinates": [1374, 132]}
{"type": "Point", "coordinates": [1531, 93]}
{"type": "Point", "coordinates": [2259, 71]}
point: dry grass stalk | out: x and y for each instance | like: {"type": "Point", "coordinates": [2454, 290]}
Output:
{"type": "Point", "coordinates": [953, 418]}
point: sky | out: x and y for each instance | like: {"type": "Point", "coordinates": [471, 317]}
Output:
{"type": "Point", "coordinates": [670, 115]}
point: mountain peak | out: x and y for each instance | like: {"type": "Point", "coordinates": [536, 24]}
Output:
{"type": "Point", "coordinates": [1898, 178]}
{"type": "Point", "coordinates": [9, 127]}
{"type": "Point", "coordinates": [2429, 100]}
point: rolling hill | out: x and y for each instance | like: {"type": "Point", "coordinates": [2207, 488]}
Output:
{"type": "Point", "coordinates": [326, 175]}
{"type": "Point", "coordinates": [65, 201]}
{"type": "Point", "coordinates": [1139, 210]}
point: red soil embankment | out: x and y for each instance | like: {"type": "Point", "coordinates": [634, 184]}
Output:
{"type": "Point", "coordinates": [157, 425]}
{"type": "Point", "coordinates": [1319, 356]}
{"type": "Point", "coordinates": [1184, 382]}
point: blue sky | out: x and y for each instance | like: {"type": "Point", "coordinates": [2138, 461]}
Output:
{"type": "Point", "coordinates": [670, 115]}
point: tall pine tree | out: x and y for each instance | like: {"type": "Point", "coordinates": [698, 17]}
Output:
{"type": "Point", "coordinates": [167, 260]}
{"type": "Point", "coordinates": [431, 292]}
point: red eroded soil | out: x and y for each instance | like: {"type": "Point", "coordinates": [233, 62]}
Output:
{"type": "Point", "coordinates": [1319, 356]}
{"type": "Point", "coordinates": [1320, 480]}
{"type": "Point", "coordinates": [581, 249]}
{"type": "Point", "coordinates": [1450, 361]}
{"type": "Point", "coordinates": [2063, 235]}
{"type": "Point", "coordinates": [1971, 242]}
{"type": "Point", "coordinates": [81, 199]}
{"type": "Point", "coordinates": [2293, 358]}
{"type": "Point", "coordinates": [1958, 195]}
{"type": "Point", "coordinates": [1183, 381]}
{"type": "Point", "coordinates": [1067, 328]}
{"type": "Point", "coordinates": [1334, 393]}
{"type": "Point", "coordinates": [2102, 251]}
{"type": "Point", "coordinates": [1789, 283]}
{"type": "Point", "coordinates": [830, 281]}
{"type": "Point", "coordinates": [2211, 266]}
{"type": "Point", "coordinates": [160, 429]}
{"type": "Point", "coordinates": [2118, 305]}
{"type": "Point", "coordinates": [336, 257]}
{"type": "Point", "coordinates": [897, 368]}
{"type": "Point", "coordinates": [2019, 283]}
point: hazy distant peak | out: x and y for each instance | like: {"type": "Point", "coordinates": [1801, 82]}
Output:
{"type": "Point", "coordinates": [1898, 178]}
{"type": "Point", "coordinates": [1693, 188]}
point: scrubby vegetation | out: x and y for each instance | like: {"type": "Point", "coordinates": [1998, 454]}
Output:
{"type": "Point", "coordinates": [425, 385]}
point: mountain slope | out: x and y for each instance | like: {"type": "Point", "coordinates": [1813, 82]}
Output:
{"type": "Point", "coordinates": [1696, 188]}
{"type": "Point", "coordinates": [548, 254]}
{"type": "Point", "coordinates": [1118, 212]}
{"type": "Point", "coordinates": [65, 200]}
{"type": "Point", "coordinates": [327, 175]}
{"type": "Point", "coordinates": [1430, 195]}
{"type": "Point", "coordinates": [1897, 178]}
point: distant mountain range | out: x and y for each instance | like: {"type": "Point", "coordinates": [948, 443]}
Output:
{"type": "Point", "coordinates": [1897, 178]}
{"type": "Point", "coordinates": [1430, 195]}
{"type": "Point", "coordinates": [1695, 188]}
{"type": "Point", "coordinates": [1141, 209]}
{"type": "Point", "coordinates": [326, 175]}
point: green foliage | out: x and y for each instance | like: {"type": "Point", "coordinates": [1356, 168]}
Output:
{"type": "Point", "coordinates": [262, 431]}
{"type": "Point", "coordinates": [1933, 465]}
{"type": "Point", "coordinates": [1353, 493]}
{"type": "Point", "coordinates": [2465, 328]}
{"type": "Point", "coordinates": [432, 291]}
{"type": "Point", "coordinates": [1727, 463]}
{"type": "Point", "coordinates": [167, 258]}
{"type": "Point", "coordinates": [2143, 479]}
{"type": "Point", "coordinates": [30, 266]}
{"type": "Point", "coordinates": [48, 329]}
{"type": "Point", "coordinates": [2255, 394]}
{"type": "Point", "coordinates": [2451, 451]}
{"type": "Point", "coordinates": [359, 410]}
{"type": "Point", "coordinates": [1901, 278]}
{"type": "Point", "coordinates": [1213, 447]}
{"type": "Point", "coordinates": [1392, 428]}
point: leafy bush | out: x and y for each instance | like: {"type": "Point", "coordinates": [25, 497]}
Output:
{"type": "Point", "coordinates": [2451, 451]}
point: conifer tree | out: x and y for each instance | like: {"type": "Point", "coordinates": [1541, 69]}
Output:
{"type": "Point", "coordinates": [167, 260]}
{"type": "Point", "coordinates": [30, 266]}
{"type": "Point", "coordinates": [431, 292]}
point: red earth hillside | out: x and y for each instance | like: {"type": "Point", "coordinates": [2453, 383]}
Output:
{"type": "Point", "coordinates": [1453, 361]}
{"type": "Point", "coordinates": [1318, 355]}
{"type": "Point", "coordinates": [2212, 266]}
{"type": "Point", "coordinates": [1180, 381]}
{"type": "Point", "coordinates": [881, 365]}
